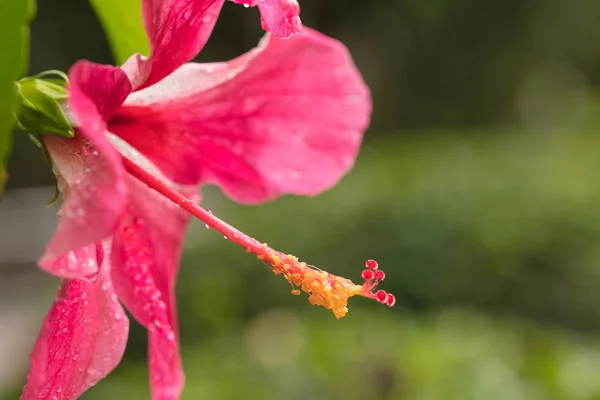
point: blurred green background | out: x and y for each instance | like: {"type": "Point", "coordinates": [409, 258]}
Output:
{"type": "Point", "coordinates": [477, 191]}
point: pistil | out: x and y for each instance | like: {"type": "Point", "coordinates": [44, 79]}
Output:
{"type": "Point", "coordinates": [324, 289]}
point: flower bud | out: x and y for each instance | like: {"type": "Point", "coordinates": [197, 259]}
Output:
{"type": "Point", "coordinates": [39, 111]}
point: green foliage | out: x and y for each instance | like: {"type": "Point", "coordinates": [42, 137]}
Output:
{"type": "Point", "coordinates": [122, 22]}
{"type": "Point", "coordinates": [14, 42]}
{"type": "Point", "coordinates": [453, 355]}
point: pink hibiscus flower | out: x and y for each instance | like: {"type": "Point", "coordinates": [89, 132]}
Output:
{"type": "Point", "coordinates": [287, 117]}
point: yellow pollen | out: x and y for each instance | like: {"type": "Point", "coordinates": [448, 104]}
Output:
{"type": "Point", "coordinates": [323, 289]}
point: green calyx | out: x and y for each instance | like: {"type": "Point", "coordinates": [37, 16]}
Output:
{"type": "Point", "coordinates": [39, 111]}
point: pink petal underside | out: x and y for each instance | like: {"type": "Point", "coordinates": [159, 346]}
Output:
{"type": "Point", "coordinates": [88, 168]}
{"type": "Point", "coordinates": [280, 17]}
{"type": "Point", "coordinates": [94, 198]}
{"type": "Point", "coordinates": [146, 252]}
{"type": "Point", "coordinates": [73, 264]}
{"type": "Point", "coordinates": [287, 117]}
{"type": "Point", "coordinates": [82, 340]}
{"type": "Point", "coordinates": [177, 30]}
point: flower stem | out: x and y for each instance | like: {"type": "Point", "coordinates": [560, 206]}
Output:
{"type": "Point", "coordinates": [212, 221]}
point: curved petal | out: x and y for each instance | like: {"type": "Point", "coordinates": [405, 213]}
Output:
{"type": "Point", "coordinates": [177, 30]}
{"type": "Point", "coordinates": [87, 167]}
{"type": "Point", "coordinates": [95, 92]}
{"type": "Point", "coordinates": [280, 17]}
{"type": "Point", "coordinates": [94, 198]}
{"type": "Point", "coordinates": [82, 340]}
{"type": "Point", "coordinates": [76, 263]}
{"type": "Point", "coordinates": [145, 255]}
{"type": "Point", "coordinates": [287, 117]}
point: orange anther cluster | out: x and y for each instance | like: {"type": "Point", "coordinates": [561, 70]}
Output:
{"type": "Point", "coordinates": [324, 289]}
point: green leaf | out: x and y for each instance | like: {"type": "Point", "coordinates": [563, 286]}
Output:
{"type": "Point", "coordinates": [122, 22]}
{"type": "Point", "coordinates": [14, 42]}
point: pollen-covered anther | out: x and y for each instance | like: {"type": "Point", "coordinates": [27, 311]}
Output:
{"type": "Point", "coordinates": [324, 289]}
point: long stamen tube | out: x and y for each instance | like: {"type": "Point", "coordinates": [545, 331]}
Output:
{"type": "Point", "coordinates": [324, 289]}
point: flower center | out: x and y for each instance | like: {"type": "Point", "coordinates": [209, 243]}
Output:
{"type": "Point", "coordinates": [324, 289]}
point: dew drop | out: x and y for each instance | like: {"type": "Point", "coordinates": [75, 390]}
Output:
{"type": "Point", "coordinates": [207, 227]}
{"type": "Point", "coordinates": [246, 5]}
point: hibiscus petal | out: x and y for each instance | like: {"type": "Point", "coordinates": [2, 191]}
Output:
{"type": "Point", "coordinates": [177, 30]}
{"type": "Point", "coordinates": [145, 254]}
{"type": "Point", "coordinates": [74, 264]}
{"type": "Point", "coordinates": [281, 17]}
{"type": "Point", "coordinates": [82, 340]}
{"type": "Point", "coordinates": [287, 117]}
{"type": "Point", "coordinates": [87, 167]}
{"type": "Point", "coordinates": [95, 91]}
